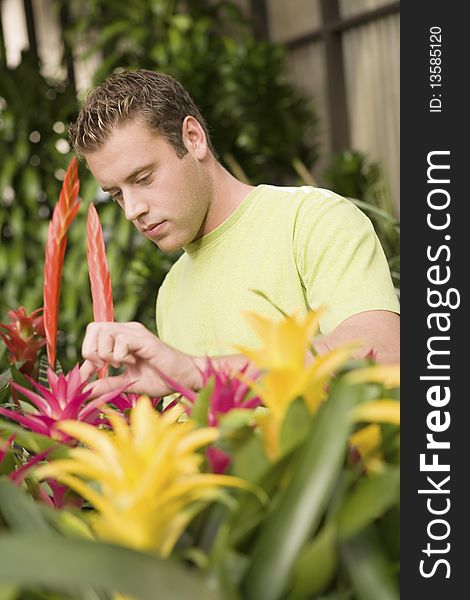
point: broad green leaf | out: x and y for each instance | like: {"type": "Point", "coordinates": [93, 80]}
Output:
{"type": "Point", "coordinates": [371, 497]}
{"type": "Point", "coordinates": [368, 568]}
{"type": "Point", "coordinates": [8, 592]}
{"type": "Point", "coordinates": [303, 503]}
{"type": "Point", "coordinates": [315, 566]}
{"type": "Point", "coordinates": [38, 560]}
{"type": "Point", "coordinates": [20, 511]}
{"type": "Point", "coordinates": [250, 511]}
{"type": "Point", "coordinates": [389, 528]}
{"type": "Point", "coordinates": [201, 404]}
{"type": "Point", "coordinates": [295, 425]}
{"type": "Point", "coordinates": [248, 458]}
{"type": "Point", "coordinates": [8, 464]}
{"type": "Point", "coordinates": [229, 564]}
{"type": "Point", "coordinates": [235, 419]}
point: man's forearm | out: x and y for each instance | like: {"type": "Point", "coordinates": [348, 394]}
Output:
{"type": "Point", "coordinates": [382, 346]}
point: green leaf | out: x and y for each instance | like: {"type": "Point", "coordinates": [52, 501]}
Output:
{"type": "Point", "coordinates": [367, 501]}
{"type": "Point", "coordinates": [19, 378]}
{"type": "Point", "coordinates": [201, 404]}
{"type": "Point", "coordinates": [265, 297]}
{"type": "Point", "coordinates": [248, 458]}
{"type": "Point", "coordinates": [8, 464]}
{"type": "Point", "coordinates": [368, 568]}
{"type": "Point", "coordinates": [8, 592]}
{"type": "Point", "coordinates": [235, 419]}
{"type": "Point", "coordinates": [250, 511]}
{"type": "Point", "coordinates": [230, 564]}
{"type": "Point", "coordinates": [33, 442]}
{"type": "Point", "coordinates": [315, 566]}
{"type": "Point", "coordinates": [295, 425]}
{"type": "Point", "coordinates": [59, 563]}
{"type": "Point", "coordinates": [20, 511]}
{"type": "Point", "coordinates": [304, 501]}
{"type": "Point", "coordinates": [5, 379]}
{"type": "Point", "coordinates": [4, 394]}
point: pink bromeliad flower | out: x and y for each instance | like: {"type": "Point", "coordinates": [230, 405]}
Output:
{"type": "Point", "coordinates": [228, 393]}
{"type": "Point", "coordinates": [128, 400]}
{"type": "Point", "coordinates": [24, 336]}
{"type": "Point", "coordinates": [66, 399]}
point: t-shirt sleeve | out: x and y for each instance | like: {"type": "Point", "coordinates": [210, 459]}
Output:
{"type": "Point", "coordinates": [160, 310]}
{"type": "Point", "coordinates": [340, 261]}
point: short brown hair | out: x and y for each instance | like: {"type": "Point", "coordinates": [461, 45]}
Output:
{"type": "Point", "coordinates": [158, 99]}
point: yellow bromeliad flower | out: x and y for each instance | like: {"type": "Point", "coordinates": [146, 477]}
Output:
{"type": "Point", "coordinates": [387, 375]}
{"type": "Point", "coordinates": [378, 411]}
{"type": "Point", "coordinates": [284, 356]}
{"type": "Point", "coordinates": [285, 341]}
{"type": "Point", "coordinates": [143, 478]}
{"type": "Point", "coordinates": [289, 372]}
{"type": "Point", "coordinates": [367, 441]}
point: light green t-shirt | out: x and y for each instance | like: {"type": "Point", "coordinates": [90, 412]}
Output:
{"type": "Point", "coordinates": [303, 247]}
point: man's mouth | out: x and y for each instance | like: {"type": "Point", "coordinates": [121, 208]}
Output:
{"type": "Point", "coordinates": [154, 230]}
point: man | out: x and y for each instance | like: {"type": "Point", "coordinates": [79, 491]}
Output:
{"type": "Point", "coordinates": [148, 146]}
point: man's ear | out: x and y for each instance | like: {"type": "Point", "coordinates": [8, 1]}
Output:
{"type": "Point", "coordinates": [194, 138]}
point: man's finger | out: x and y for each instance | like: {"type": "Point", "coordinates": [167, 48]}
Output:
{"type": "Point", "coordinates": [87, 370]}
{"type": "Point", "coordinates": [105, 347]}
{"type": "Point", "coordinates": [108, 384]}
{"type": "Point", "coordinates": [121, 349]}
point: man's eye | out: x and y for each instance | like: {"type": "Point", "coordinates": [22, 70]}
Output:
{"type": "Point", "coordinates": [117, 196]}
{"type": "Point", "coordinates": [143, 180]}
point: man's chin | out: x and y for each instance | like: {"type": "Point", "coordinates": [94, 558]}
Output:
{"type": "Point", "coordinates": [167, 245]}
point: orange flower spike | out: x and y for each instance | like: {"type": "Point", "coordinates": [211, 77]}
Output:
{"type": "Point", "coordinates": [98, 270]}
{"type": "Point", "coordinates": [64, 213]}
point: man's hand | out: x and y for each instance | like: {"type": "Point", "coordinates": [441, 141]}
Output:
{"type": "Point", "coordinates": [141, 354]}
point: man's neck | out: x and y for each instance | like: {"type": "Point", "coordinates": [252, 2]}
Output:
{"type": "Point", "coordinates": [227, 195]}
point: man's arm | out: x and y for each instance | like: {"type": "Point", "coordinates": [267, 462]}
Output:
{"type": "Point", "coordinates": [146, 360]}
{"type": "Point", "coordinates": [377, 331]}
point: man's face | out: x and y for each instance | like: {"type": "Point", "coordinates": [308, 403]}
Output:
{"type": "Point", "coordinates": [166, 197]}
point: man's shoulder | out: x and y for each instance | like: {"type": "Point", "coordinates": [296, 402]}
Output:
{"type": "Point", "coordinates": [295, 193]}
{"type": "Point", "coordinates": [306, 198]}
{"type": "Point", "coordinates": [309, 207]}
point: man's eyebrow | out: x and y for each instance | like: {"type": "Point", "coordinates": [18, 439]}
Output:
{"type": "Point", "coordinates": [132, 175]}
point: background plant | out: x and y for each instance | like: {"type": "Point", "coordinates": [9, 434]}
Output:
{"type": "Point", "coordinates": [259, 124]}
{"type": "Point", "coordinates": [239, 82]}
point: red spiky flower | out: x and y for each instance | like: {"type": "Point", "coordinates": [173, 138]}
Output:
{"type": "Point", "coordinates": [66, 399]}
{"type": "Point", "coordinates": [98, 270]}
{"type": "Point", "coordinates": [24, 337]}
{"type": "Point", "coordinates": [64, 213]}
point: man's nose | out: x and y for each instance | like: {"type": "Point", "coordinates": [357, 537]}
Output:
{"type": "Point", "coordinates": [134, 206]}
